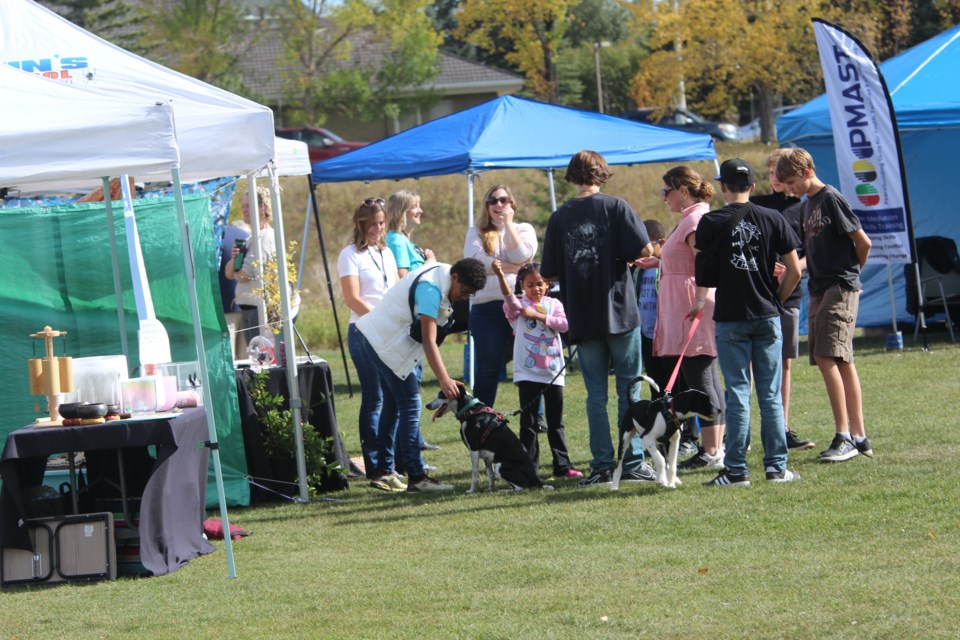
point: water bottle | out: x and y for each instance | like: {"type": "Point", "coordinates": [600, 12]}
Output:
{"type": "Point", "coordinates": [238, 261]}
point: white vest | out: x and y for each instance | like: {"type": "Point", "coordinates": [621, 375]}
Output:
{"type": "Point", "coordinates": [387, 326]}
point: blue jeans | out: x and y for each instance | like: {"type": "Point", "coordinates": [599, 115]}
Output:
{"type": "Point", "coordinates": [623, 349]}
{"type": "Point", "coordinates": [740, 345]}
{"type": "Point", "coordinates": [371, 399]}
{"type": "Point", "coordinates": [400, 422]}
{"type": "Point", "coordinates": [493, 348]}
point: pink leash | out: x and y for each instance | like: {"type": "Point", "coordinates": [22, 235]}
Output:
{"type": "Point", "coordinates": [676, 369]}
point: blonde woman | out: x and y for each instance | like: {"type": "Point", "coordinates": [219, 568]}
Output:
{"type": "Point", "coordinates": [403, 216]}
{"type": "Point", "coordinates": [496, 236]}
{"type": "Point", "coordinates": [247, 277]}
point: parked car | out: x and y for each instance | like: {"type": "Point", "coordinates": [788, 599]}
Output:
{"type": "Point", "coordinates": [685, 121]}
{"type": "Point", "coordinates": [750, 132]}
{"type": "Point", "coordinates": [321, 143]}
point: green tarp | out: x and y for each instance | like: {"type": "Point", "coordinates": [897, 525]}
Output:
{"type": "Point", "coordinates": [58, 272]}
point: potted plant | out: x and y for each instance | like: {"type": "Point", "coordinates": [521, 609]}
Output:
{"type": "Point", "coordinates": [279, 440]}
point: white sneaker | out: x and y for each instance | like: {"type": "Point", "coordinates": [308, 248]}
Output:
{"type": "Point", "coordinates": [394, 482]}
{"type": "Point", "coordinates": [714, 461]}
{"type": "Point", "coordinates": [781, 475]}
{"type": "Point", "coordinates": [427, 485]}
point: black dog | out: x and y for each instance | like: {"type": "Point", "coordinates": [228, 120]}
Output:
{"type": "Point", "coordinates": [486, 434]}
{"type": "Point", "coordinates": [658, 422]}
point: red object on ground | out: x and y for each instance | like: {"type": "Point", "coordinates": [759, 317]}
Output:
{"type": "Point", "coordinates": [213, 528]}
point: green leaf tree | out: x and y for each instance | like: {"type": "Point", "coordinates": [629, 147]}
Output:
{"type": "Point", "coordinates": [357, 58]}
{"type": "Point", "coordinates": [113, 20]}
{"type": "Point", "coordinates": [204, 39]}
{"type": "Point", "coordinates": [528, 32]}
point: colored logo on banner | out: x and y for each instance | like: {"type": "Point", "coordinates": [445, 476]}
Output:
{"type": "Point", "coordinates": [866, 173]}
{"type": "Point", "coordinates": [868, 195]}
{"type": "Point", "coordinates": [55, 67]}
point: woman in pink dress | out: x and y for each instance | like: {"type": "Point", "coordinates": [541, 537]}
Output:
{"type": "Point", "coordinates": [679, 300]}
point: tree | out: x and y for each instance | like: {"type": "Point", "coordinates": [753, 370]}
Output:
{"type": "Point", "coordinates": [112, 20]}
{"type": "Point", "coordinates": [528, 33]}
{"type": "Point", "coordinates": [357, 58]}
{"type": "Point", "coordinates": [724, 51]}
{"type": "Point", "coordinates": [204, 39]}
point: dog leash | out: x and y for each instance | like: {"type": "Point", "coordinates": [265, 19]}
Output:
{"type": "Point", "coordinates": [676, 370]}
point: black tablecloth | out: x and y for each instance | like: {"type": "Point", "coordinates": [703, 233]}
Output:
{"type": "Point", "coordinates": [173, 490]}
{"type": "Point", "coordinates": [316, 394]}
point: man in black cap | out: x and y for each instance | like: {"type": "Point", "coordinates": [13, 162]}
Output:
{"type": "Point", "coordinates": [747, 240]}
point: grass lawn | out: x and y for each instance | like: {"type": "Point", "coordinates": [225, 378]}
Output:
{"type": "Point", "coordinates": [861, 549]}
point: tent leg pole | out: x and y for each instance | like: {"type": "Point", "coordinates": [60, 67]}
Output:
{"type": "Point", "coordinates": [921, 317]}
{"type": "Point", "coordinates": [468, 374]}
{"type": "Point", "coordinates": [202, 365]}
{"type": "Point", "coordinates": [283, 284]}
{"type": "Point", "coordinates": [303, 243]}
{"type": "Point", "coordinates": [115, 263]}
{"type": "Point", "coordinates": [326, 270]}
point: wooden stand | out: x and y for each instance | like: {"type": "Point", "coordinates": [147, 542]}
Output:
{"type": "Point", "coordinates": [51, 376]}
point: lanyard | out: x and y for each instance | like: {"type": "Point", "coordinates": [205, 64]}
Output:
{"type": "Point", "coordinates": [382, 267]}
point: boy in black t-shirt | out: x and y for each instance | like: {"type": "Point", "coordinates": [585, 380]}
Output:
{"type": "Point", "coordinates": [836, 250]}
{"type": "Point", "coordinates": [747, 241]}
{"type": "Point", "coordinates": [789, 207]}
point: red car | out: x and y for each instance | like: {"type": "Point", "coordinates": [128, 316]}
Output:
{"type": "Point", "coordinates": [322, 143]}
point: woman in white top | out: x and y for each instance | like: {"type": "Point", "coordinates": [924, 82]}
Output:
{"type": "Point", "coordinates": [495, 237]}
{"type": "Point", "coordinates": [247, 276]}
{"type": "Point", "coordinates": [367, 269]}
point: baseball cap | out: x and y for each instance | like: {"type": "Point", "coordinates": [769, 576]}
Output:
{"type": "Point", "coordinates": [736, 172]}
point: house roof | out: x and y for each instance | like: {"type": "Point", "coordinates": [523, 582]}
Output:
{"type": "Point", "coordinates": [263, 72]}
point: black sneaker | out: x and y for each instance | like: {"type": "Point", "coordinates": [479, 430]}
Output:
{"type": "Point", "coordinates": [727, 479]}
{"type": "Point", "coordinates": [796, 443]}
{"type": "Point", "coordinates": [597, 478]}
{"type": "Point", "coordinates": [641, 473]}
{"type": "Point", "coordinates": [781, 475]}
{"type": "Point", "coordinates": [864, 447]}
{"type": "Point", "coordinates": [842, 448]}
{"type": "Point", "coordinates": [541, 424]}
{"type": "Point", "coordinates": [427, 485]}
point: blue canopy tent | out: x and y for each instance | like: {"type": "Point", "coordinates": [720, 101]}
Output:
{"type": "Point", "coordinates": [926, 99]}
{"type": "Point", "coordinates": [511, 133]}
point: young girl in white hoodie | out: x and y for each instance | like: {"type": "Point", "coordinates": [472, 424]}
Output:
{"type": "Point", "coordinates": [538, 365]}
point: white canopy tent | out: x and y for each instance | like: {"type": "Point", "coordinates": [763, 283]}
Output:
{"type": "Point", "coordinates": [38, 41]}
{"type": "Point", "coordinates": [41, 142]}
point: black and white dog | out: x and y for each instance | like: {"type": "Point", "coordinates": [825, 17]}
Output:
{"type": "Point", "coordinates": [486, 434]}
{"type": "Point", "coordinates": [658, 422]}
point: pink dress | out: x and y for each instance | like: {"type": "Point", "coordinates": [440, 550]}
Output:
{"type": "Point", "coordinates": [678, 290]}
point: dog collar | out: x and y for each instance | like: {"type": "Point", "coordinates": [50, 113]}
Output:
{"type": "Point", "coordinates": [466, 408]}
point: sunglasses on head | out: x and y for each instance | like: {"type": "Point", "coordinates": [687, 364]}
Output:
{"type": "Point", "coordinates": [369, 202]}
{"type": "Point", "coordinates": [502, 200]}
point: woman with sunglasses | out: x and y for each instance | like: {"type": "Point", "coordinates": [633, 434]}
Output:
{"type": "Point", "coordinates": [403, 216]}
{"type": "Point", "coordinates": [495, 237]}
{"type": "Point", "coordinates": [367, 269]}
{"type": "Point", "coordinates": [687, 194]}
